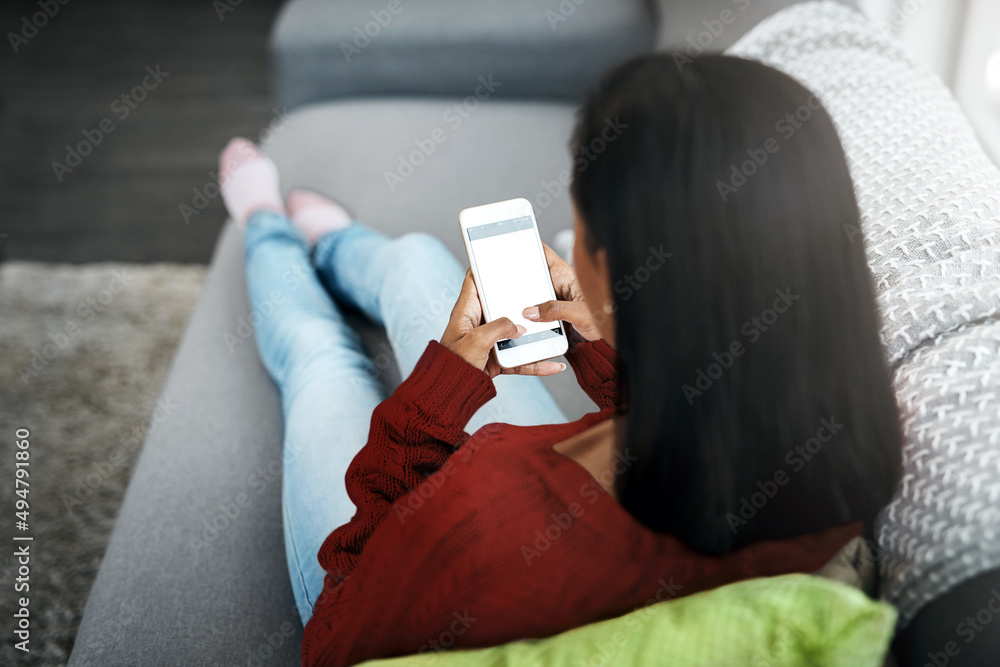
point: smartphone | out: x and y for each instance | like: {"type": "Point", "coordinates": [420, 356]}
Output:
{"type": "Point", "coordinates": [508, 263]}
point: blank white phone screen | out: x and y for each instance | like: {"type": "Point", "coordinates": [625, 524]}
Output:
{"type": "Point", "coordinates": [513, 274]}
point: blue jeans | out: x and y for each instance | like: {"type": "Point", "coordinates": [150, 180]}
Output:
{"type": "Point", "coordinates": [329, 383]}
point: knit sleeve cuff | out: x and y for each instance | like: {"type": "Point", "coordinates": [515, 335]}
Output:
{"type": "Point", "coordinates": [447, 389]}
{"type": "Point", "coordinates": [594, 357]}
{"type": "Point", "coordinates": [595, 365]}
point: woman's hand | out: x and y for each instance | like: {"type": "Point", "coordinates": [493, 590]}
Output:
{"type": "Point", "coordinates": [569, 305]}
{"type": "Point", "coordinates": [467, 337]}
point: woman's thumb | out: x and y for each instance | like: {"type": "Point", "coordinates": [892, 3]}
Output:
{"type": "Point", "coordinates": [501, 329]}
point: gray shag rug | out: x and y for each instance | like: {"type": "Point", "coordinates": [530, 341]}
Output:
{"type": "Point", "coordinates": [84, 351]}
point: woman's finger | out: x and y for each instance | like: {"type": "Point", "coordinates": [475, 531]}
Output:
{"type": "Point", "coordinates": [465, 315]}
{"type": "Point", "coordinates": [467, 305]}
{"type": "Point", "coordinates": [563, 276]}
{"type": "Point", "coordinates": [552, 311]}
{"type": "Point", "coordinates": [576, 314]}
{"type": "Point", "coordinates": [499, 329]}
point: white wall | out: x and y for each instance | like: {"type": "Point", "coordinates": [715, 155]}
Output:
{"type": "Point", "coordinates": [956, 39]}
{"type": "Point", "coordinates": [977, 89]}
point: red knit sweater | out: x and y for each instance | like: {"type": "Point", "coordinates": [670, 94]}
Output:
{"type": "Point", "coordinates": [467, 541]}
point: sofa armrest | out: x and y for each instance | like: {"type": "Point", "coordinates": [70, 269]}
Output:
{"type": "Point", "coordinates": [195, 572]}
{"type": "Point", "coordinates": [322, 49]}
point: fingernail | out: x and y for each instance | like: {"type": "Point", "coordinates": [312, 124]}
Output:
{"type": "Point", "coordinates": [530, 313]}
{"type": "Point", "coordinates": [562, 367]}
{"type": "Point", "coordinates": [521, 330]}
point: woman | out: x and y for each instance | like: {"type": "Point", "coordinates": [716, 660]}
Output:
{"type": "Point", "coordinates": [720, 317]}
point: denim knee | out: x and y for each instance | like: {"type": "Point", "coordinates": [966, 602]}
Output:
{"type": "Point", "coordinates": [420, 249]}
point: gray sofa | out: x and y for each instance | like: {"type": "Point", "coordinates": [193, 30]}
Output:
{"type": "Point", "coordinates": [195, 572]}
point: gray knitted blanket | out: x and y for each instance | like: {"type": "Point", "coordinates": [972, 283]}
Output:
{"type": "Point", "coordinates": [930, 205]}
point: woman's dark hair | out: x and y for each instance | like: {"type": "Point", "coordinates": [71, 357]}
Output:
{"type": "Point", "coordinates": [756, 395]}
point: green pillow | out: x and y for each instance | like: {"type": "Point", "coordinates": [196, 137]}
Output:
{"type": "Point", "coordinates": [794, 619]}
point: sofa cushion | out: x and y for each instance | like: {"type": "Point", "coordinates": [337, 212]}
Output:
{"type": "Point", "coordinates": [692, 28]}
{"type": "Point", "coordinates": [323, 49]}
{"type": "Point", "coordinates": [795, 619]}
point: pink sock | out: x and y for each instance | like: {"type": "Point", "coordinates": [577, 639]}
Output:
{"type": "Point", "coordinates": [248, 180]}
{"type": "Point", "coordinates": [315, 215]}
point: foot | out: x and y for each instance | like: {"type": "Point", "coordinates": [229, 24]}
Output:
{"type": "Point", "coordinates": [248, 180]}
{"type": "Point", "coordinates": [315, 215]}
